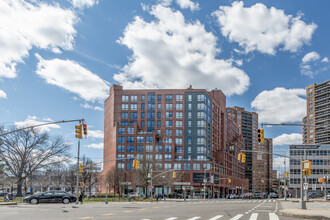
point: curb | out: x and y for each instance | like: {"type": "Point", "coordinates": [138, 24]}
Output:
{"type": "Point", "coordinates": [9, 203]}
{"type": "Point", "coordinates": [303, 216]}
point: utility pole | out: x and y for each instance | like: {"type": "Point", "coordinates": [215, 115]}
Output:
{"type": "Point", "coordinates": [302, 203]}
{"type": "Point", "coordinates": [151, 185]}
{"type": "Point", "coordinates": [77, 182]}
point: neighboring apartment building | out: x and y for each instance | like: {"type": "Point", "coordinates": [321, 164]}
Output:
{"type": "Point", "coordinates": [262, 167]}
{"type": "Point", "coordinates": [248, 124]}
{"type": "Point", "coordinates": [318, 114]}
{"type": "Point", "coordinates": [274, 181]}
{"type": "Point", "coordinates": [180, 129]}
{"type": "Point", "coordinates": [319, 155]}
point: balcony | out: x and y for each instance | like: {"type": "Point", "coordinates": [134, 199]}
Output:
{"type": "Point", "coordinates": [322, 98]}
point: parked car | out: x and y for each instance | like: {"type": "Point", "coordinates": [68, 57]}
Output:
{"type": "Point", "coordinates": [328, 196]}
{"type": "Point", "coordinates": [175, 195]}
{"type": "Point", "coordinates": [133, 195]}
{"type": "Point", "coordinates": [51, 197]}
{"type": "Point", "coordinates": [313, 195]}
{"type": "Point", "coordinates": [247, 196]}
{"type": "Point", "coordinates": [257, 195]}
{"type": "Point", "coordinates": [273, 195]}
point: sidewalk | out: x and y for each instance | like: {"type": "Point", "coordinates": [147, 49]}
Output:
{"type": "Point", "coordinates": [8, 203]}
{"type": "Point", "coordinates": [315, 209]}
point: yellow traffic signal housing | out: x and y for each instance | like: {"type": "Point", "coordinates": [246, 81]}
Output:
{"type": "Point", "coordinates": [79, 131]}
{"type": "Point", "coordinates": [81, 184]}
{"type": "Point", "coordinates": [286, 174]}
{"type": "Point", "coordinates": [309, 172]}
{"type": "Point", "coordinates": [137, 164]}
{"type": "Point", "coordinates": [262, 181]}
{"type": "Point", "coordinates": [229, 180]}
{"type": "Point", "coordinates": [174, 174]}
{"type": "Point", "coordinates": [81, 168]}
{"type": "Point", "coordinates": [240, 157]}
{"type": "Point", "coordinates": [85, 129]}
{"type": "Point", "coordinates": [134, 164]}
{"type": "Point", "coordinates": [261, 135]}
{"type": "Point", "coordinates": [243, 158]}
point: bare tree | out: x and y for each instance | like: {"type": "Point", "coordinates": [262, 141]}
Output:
{"type": "Point", "coordinates": [89, 175]}
{"type": "Point", "coordinates": [113, 179]}
{"type": "Point", "coordinates": [25, 151]}
{"type": "Point", "coordinates": [71, 177]}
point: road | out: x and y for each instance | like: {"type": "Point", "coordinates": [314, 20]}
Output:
{"type": "Point", "coordinates": [164, 210]}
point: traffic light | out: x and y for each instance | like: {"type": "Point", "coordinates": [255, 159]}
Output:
{"type": "Point", "coordinates": [174, 174]}
{"type": "Point", "coordinates": [243, 158]}
{"type": "Point", "coordinates": [286, 174]}
{"type": "Point", "coordinates": [261, 137]}
{"type": "Point", "coordinates": [262, 181]}
{"type": "Point", "coordinates": [85, 130]}
{"type": "Point", "coordinates": [136, 164]}
{"type": "Point", "coordinates": [309, 172]}
{"type": "Point", "coordinates": [81, 168]}
{"type": "Point", "coordinates": [239, 157]}
{"type": "Point", "coordinates": [81, 184]}
{"type": "Point", "coordinates": [79, 131]}
{"type": "Point", "coordinates": [229, 180]}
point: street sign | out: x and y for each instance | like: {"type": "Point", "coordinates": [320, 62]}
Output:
{"type": "Point", "coordinates": [259, 156]}
{"type": "Point", "coordinates": [305, 186]}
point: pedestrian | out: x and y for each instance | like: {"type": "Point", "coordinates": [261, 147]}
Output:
{"type": "Point", "coordinates": [81, 197]}
{"type": "Point", "coordinates": [6, 198]}
{"type": "Point", "coordinates": [164, 197]}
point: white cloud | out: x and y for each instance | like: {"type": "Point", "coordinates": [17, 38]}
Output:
{"type": "Point", "coordinates": [312, 56]}
{"type": "Point", "coordinates": [33, 120]}
{"type": "Point", "coordinates": [171, 53]}
{"type": "Point", "coordinates": [287, 139]}
{"type": "Point", "coordinates": [24, 25]}
{"type": "Point", "coordinates": [278, 162]}
{"type": "Point", "coordinates": [280, 105]}
{"type": "Point", "coordinates": [263, 29]}
{"type": "Point", "coordinates": [311, 64]}
{"type": "Point", "coordinates": [74, 78]}
{"type": "Point", "coordinates": [96, 146]}
{"type": "Point", "coordinates": [83, 3]}
{"type": "Point", "coordinates": [95, 134]}
{"type": "Point", "coordinates": [184, 4]}
{"type": "Point", "coordinates": [88, 106]}
{"type": "Point", "coordinates": [3, 95]}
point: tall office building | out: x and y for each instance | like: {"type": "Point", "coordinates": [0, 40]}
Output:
{"type": "Point", "coordinates": [318, 114]}
{"type": "Point", "coordinates": [180, 129]}
{"type": "Point", "coordinates": [248, 124]}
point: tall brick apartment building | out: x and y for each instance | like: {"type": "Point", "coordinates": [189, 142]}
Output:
{"type": "Point", "coordinates": [182, 129]}
{"type": "Point", "coordinates": [318, 114]}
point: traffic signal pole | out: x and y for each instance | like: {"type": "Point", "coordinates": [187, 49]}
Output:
{"type": "Point", "coordinates": [77, 182]}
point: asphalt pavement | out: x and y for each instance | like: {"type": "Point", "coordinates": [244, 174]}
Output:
{"type": "Point", "coordinates": [163, 210]}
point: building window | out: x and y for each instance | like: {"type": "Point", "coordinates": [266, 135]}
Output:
{"type": "Point", "coordinates": [130, 130]}
{"type": "Point", "coordinates": [149, 148]}
{"type": "Point", "coordinates": [206, 166]}
{"type": "Point", "coordinates": [178, 150]}
{"type": "Point", "coordinates": [189, 132]}
{"type": "Point", "coordinates": [133, 107]}
{"type": "Point", "coordinates": [189, 98]}
{"type": "Point", "coordinates": [142, 124]}
{"type": "Point", "coordinates": [178, 132]}
{"type": "Point", "coordinates": [201, 115]}
{"type": "Point", "coordinates": [178, 124]}
{"type": "Point", "coordinates": [124, 106]}
{"type": "Point", "coordinates": [133, 98]}
{"type": "Point", "coordinates": [201, 132]}
{"type": "Point", "coordinates": [129, 166]}
{"type": "Point", "coordinates": [178, 141]}
{"type": "Point", "coordinates": [168, 132]}
{"type": "Point", "coordinates": [189, 123]}
{"type": "Point", "coordinates": [201, 124]}
{"type": "Point", "coordinates": [121, 148]}
{"type": "Point", "coordinates": [201, 106]}
{"type": "Point", "coordinates": [179, 98]}
{"type": "Point", "coordinates": [178, 115]}
{"type": "Point", "coordinates": [151, 124]}
{"type": "Point", "coordinates": [159, 124]}
{"type": "Point", "coordinates": [159, 148]}
{"type": "Point", "coordinates": [169, 115]}
{"type": "Point", "coordinates": [124, 115]}
{"type": "Point", "coordinates": [143, 98]}
{"type": "Point", "coordinates": [159, 98]}
{"type": "Point", "coordinates": [168, 123]}
{"type": "Point", "coordinates": [167, 166]}
{"type": "Point", "coordinates": [186, 166]}
{"type": "Point", "coordinates": [158, 157]}
{"type": "Point", "coordinates": [121, 166]}
{"type": "Point", "coordinates": [151, 107]}
{"type": "Point", "coordinates": [168, 140]}
{"type": "Point", "coordinates": [189, 106]}
{"type": "Point", "coordinates": [124, 98]}
{"type": "Point", "coordinates": [200, 98]}
{"type": "Point", "coordinates": [196, 166]}
{"type": "Point", "coordinates": [130, 139]}
{"type": "Point", "coordinates": [149, 139]}
{"type": "Point", "coordinates": [139, 139]}
{"type": "Point", "coordinates": [168, 106]}
{"type": "Point", "coordinates": [121, 130]}
{"type": "Point", "coordinates": [177, 166]}
{"type": "Point", "coordinates": [168, 148]}
{"type": "Point", "coordinates": [142, 115]}
{"type": "Point", "coordinates": [130, 148]}
{"type": "Point", "coordinates": [121, 139]}
{"type": "Point", "coordinates": [189, 115]}
{"type": "Point", "coordinates": [201, 141]}
{"type": "Point", "coordinates": [169, 98]}
{"type": "Point", "coordinates": [179, 106]}
{"type": "Point", "coordinates": [133, 115]}
{"type": "Point", "coordinates": [151, 97]}
{"type": "Point", "coordinates": [139, 148]}
{"type": "Point", "coordinates": [120, 156]}
{"type": "Point", "coordinates": [151, 115]}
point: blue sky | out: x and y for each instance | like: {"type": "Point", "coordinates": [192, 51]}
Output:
{"type": "Point", "coordinates": [59, 58]}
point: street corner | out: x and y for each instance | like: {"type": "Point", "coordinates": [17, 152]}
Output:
{"type": "Point", "coordinates": [306, 214]}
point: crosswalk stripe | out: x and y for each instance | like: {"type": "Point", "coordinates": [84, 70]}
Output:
{"type": "Point", "coordinates": [254, 216]}
{"type": "Point", "coordinates": [269, 200]}
{"type": "Point", "coordinates": [237, 217]}
{"type": "Point", "coordinates": [273, 216]}
{"type": "Point", "coordinates": [216, 217]}
{"type": "Point", "coordinates": [194, 218]}
{"type": "Point", "coordinates": [172, 218]}
{"type": "Point", "coordinates": [274, 200]}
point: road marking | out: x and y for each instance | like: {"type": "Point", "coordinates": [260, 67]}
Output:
{"type": "Point", "coordinates": [254, 216]}
{"type": "Point", "coordinates": [273, 216]}
{"type": "Point", "coordinates": [141, 209]}
{"type": "Point", "coordinates": [216, 217]}
{"type": "Point", "coordinates": [87, 217]}
{"type": "Point", "coordinates": [194, 218]}
{"type": "Point", "coordinates": [127, 211]}
{"type": "Point", "coordinates": [172, 218]}
{"type": "Point", "coordinates": [237, 217]}
{"type": "Point", "coordinates": [155, 207]}
{"type": "Point", "coordinates": [270, 201]}
{"type": "Point", "coordinates": [107, 214]}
